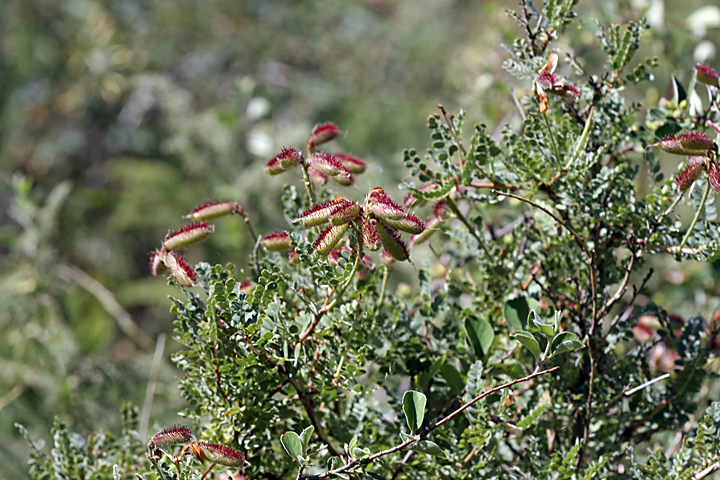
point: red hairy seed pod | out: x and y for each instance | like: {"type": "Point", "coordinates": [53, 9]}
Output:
{"type": "Point", "coordinates": [345, 213]}
{"type": "Point", "coordinates": [213, 209]}
{"type": "Point", "coordinates": [384, 207]}
{"type": "Point", "coordinates": [188, 235]}
{"type": "Point", "coordinates": [180, 269]}
{"type": "Point", "coordinates": [696, 142]}
{"type": "Point", "coordinates": [565, 91]}
{"type": "Point", "coordinates": [222, 455]}
{"type": "Point", "coordinates": [408, 223]}
{"type": "Point", "coordinates": [380, 204]}
{"type": "Point", "coordinates": [392, 242]}
{"type": "Point", "coordinates": [351, 163]}
{"type": "Point", "coordinates": [320, 213]}
{"type": "Point", "coordinates": [289, 158]}
{"type": "Point", "coordinates": [157, 266]}
{"type": "Point", "coordinates": [321, 133]}
{"type": "Point", "coordinates": [688, 176]}
{"type": "Point", "coordinates": [344, 178]}
{"type": "Point", "coordinates": [273, 166]}
{"type": "Point", "coordinates": [714, 176]}
{"type": "Point", "coordinates": [689, 143]}
{"type": "Point", "coordinates": [707, 75]}
{"type": "Point", "coordinates": [431, 226]}
{"type": "Point", "coordinates": [370, 235]}
{"type": "Point", "coordinates": [327, 163]}
{"type": "Point", "coordinates": [173, 436]}
{"type": "Point", "coordinates": [317, 176]}
{"type": "Point", "coordinates": [276, 241]}
{"type": "Point", "coordinates": [329, 238]}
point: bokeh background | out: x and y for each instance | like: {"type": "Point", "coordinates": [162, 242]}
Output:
{"type": "Point", "coordinates": [117, 117]}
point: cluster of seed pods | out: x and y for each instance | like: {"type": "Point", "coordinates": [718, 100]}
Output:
{"type": "Point", "coordinates": [320, 165]}
{"type": "Point", "coordinates": [379, 221]}
{"type": "Point", "coordinates": [700, 149]}
{"type": "Point", "coordinates": [181, 435]}
{"type": "Point", "coordinates": [168, 256]}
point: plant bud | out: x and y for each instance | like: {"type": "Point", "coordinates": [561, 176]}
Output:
{"type": "Point", "coordinates": [370, 235]}
{"type": "Point", "coordinates": [157, 266]}
{"type": "Point", "coordinates": [188, 235]}
{"type": "Point", "coordinates": [222, 455]}
{"type": "Point", "coordinates": [345, 213]}
{"type": "Point", "coordinates": [320, 213]}
{"type": "Point", "coordinates": [273, 166]}
{"type": "Point", "coordinates": [326, 163]}
{"type": "Point", "coordinates": [351, 163]}
{"type": "Point", "coordinates": [321, 133]}
{"type": "Point", "coordinates": [277, 242]}
{"type": "Point", "coordinates": [180, 269]}
{"type": "Point", "coordinates": [290, 157]}
{"type": "Point", "coordinates": [317, 176]}
{"type": "Point", "coordinates": [392, 242]}
{"type": "Point", "coordinates": [707, 75]}
{"type": "Point", "coordinates": [714, 176]}
{"type": "Point", "coordinates": [408, 223]}
{"type": "Point", "coordinates": [691, 173]}
{"type": "Point", "coordinates": [329, 238]}
{"type": "Point", "coordinates": [172, 436]}
{"type": "Point", "coordinates": [213, 209]}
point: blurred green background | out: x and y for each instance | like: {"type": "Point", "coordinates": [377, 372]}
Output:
{"type": "Point", "coordinates": [116, 117]}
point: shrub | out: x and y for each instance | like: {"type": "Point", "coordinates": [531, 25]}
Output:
{"type": "Point", "coordinates": [526, 348]}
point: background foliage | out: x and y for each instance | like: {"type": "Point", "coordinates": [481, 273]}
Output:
{"type": "Point", "coordinates": [117, 117]}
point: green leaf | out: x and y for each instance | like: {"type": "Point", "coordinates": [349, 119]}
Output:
{"type": "Point", "coordinates": [480, 333]}
{"type": "Point", "coordinates": [414, 408]}
{"type": "Point", "coordinates": [428, 447]}
{"type": "Point", "coordinates": [452, 377]}
{"type": "Point", "coordinates": [516, 310]}
{"type": "Point", "coordinates": [565, 342]}
{"type": "Point", "coordinates": [305, 437]}
{"type": "Point", "coordinates": [293, 445]}
{"type": "Point", "coordinates": [536, 323]}
{"type": "Point", "coordinates": [528, 341]}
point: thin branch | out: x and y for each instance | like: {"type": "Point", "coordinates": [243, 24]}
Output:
{"type": "Point", "coordinates": [124, 320]}
{"type": "Point", "coordinates": [424, 433]}
{"type": "Point", "coordinates": [697, 215]}
{"type": "Point", "coordinates": [578, 238]}
{"type": "Point", "coordinates": [152, 384]}
{"type": "Point", "coordinates": [310, 410]}
{"type": "Point", "coordinates": [207, 471]}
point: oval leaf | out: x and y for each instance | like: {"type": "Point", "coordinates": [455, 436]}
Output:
{"type": "Point", "coordinates": [480, 333]}
{"type": "Point", "coordinates": [516, 310]}
{"type": "Point", "coordinates": [414, 408]}
{"type": "Point", "coordinates": [431, 448]}
{"type": "Point", "coordinates": [537, 323]}
{"type": "Point", "coordinates": [305, 437]}
{"type": "Point", "coordinates": [528, 341]}
{"type": "Point", "coordinates": [293, 445]}
{"type": "Point", "coordinates": [565, 342]}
